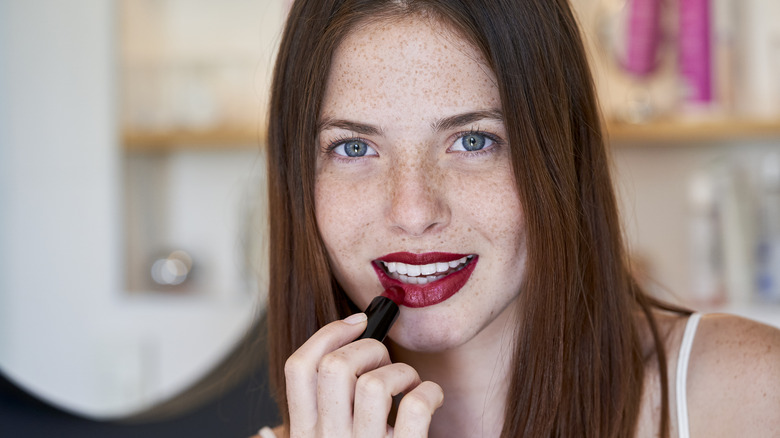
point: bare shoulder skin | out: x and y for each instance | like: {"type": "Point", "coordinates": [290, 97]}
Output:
{"type": "Point", "coordinates": [734, 378]}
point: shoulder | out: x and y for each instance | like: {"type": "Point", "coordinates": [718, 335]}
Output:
{"type": "Point", "coordinates": [734, 378]}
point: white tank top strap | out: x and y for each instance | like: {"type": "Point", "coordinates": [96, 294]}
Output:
{"type": "Point", "coordinates": [682, 375]}
{"type": "Point", "coordinates": [266, 432]}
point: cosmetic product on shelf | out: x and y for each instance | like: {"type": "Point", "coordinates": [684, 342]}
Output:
{"type": "Point", "coordinates": [768, 257]}
{"type": "Point", "coordinates": [643, 35]}
{"type": "Point", "coordinates": [707, 272]}
{"type": "Point", "coordinates": [737, 234]}
{"type": "Point", "coordinates": [695, 53]}
{"type": "Point", "coordinates": [759, 64]}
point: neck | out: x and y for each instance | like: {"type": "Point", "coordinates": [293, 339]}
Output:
{"type": "Point", "coordinates": [474, 378]}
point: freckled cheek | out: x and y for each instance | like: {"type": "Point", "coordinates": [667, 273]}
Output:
{"type": "Point", "coordinates": [493, 198]}
{"type": "Point", "coordinates": [510, 228]}
{"type": "Point", "coordinates": [509, 216]}
{"type": "Point", "coordinates": [345, 212]}
{"type": "Point", "coordinates": [494, 211]}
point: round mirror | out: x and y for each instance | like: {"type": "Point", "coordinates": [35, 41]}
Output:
{"type": "Point", "coordinates": [131, 192]}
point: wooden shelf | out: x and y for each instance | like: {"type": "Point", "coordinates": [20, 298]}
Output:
{"type": "Point", "coordinates": [232, 137]}
{"type": "Point", "coordinates": [656, 133]}
{"type": "Point", "coordinates": [668, 132]}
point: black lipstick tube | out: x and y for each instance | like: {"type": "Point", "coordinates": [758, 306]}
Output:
{"type": "Point", "coordinates": [381, 313]}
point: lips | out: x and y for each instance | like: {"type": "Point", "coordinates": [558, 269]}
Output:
{"type": "Point", "coordinates": [427, 278]}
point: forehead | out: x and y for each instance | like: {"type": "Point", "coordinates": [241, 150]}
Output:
{"type": "Point", "coordinates": [401, 63]}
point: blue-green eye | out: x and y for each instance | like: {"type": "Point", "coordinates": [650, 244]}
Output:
{"type": "Point", "coordinates": [471, 142]}
{"type": "Point", "coordinates": [354, 149]}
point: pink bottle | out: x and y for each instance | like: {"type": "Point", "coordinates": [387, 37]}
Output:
{"type": "Point", "coordinates": [643, 37]}
{"type": "Point", "coordinates": [695, 51]}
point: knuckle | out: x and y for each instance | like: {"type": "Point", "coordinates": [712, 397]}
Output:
{"type": "Point", "coordinates": [370, 386]}
{"type": "Point", "coordinates": [293, 367]}
{"type": "Point", "coordinates": [436, 391]}
{"type": "Point", "coordinates": [407, 369]}
{"type": "Point", "coordinates": [415, 404]}
{"type": "Point", "coordinates": [432, 387]}
{"type": "Point", "coordinates": [372, 345]}
{"type": "Point", "coordinates": [332, 363]}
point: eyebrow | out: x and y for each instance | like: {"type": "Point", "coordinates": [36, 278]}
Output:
{"type": "Point", "coordinates": [359, 128]}
{"type": "Point", "coordinates": [443, 124]}
{"type": "Point", "coordinates": [466, 119]}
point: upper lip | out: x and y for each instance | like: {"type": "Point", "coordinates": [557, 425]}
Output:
{"type": "Point", "coordinates": [422, 258]}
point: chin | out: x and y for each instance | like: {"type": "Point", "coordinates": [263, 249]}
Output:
{"type": "Point", "coordinates": [430, 335]}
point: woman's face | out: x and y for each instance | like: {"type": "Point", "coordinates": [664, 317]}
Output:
{"type": "Point", "coordinates": [414, 185]}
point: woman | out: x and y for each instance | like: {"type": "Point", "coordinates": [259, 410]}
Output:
{"type": "Point", "coordinates": [464, 137]}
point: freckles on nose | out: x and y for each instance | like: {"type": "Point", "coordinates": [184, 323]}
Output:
{"type": "Point", "coordinates": [416, 201]}
{"type": "Point", "coordinates": [409, 182]}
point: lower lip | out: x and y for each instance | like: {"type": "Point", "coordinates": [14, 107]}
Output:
{"type": "Point", "coordinates": [424, 295]}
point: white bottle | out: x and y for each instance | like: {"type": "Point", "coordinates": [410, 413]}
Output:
{"type": "Point", "coordinates": [707, 280]}
{"type": "Point", "coordinates": [768, 256]}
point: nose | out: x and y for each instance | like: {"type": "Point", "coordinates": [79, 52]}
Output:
{"type": "Point", "coordinates": [417, 200]}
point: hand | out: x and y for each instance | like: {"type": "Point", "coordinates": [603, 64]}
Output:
{"type": "Point", "coordinates": [340, 388]}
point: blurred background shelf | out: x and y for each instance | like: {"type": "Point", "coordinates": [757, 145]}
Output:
{"type": "Point", "coordinates": [670, 131]}
{"type": "Point", "coordinates": [231, 137]}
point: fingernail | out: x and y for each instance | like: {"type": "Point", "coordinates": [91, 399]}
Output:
{"type": "Point", "coordinates": [355, 319]}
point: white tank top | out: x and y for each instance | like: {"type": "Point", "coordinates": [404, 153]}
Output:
{"type": "Point", "coordinates": [682, 377]}
{"type": "Point", "coordinates": [266, 432]}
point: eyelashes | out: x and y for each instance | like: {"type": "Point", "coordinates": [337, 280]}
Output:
{"type": "Point", "coordinates": [350, 147]}
{"type": "Point", "coordinates": [472, 143]}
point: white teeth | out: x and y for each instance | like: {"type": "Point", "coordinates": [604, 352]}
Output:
{"type": "Point", "coordinates": [415, 280]}
{"type": "Point", "coordinates": [413, 270]}
{"type": "Point", "coordinates": [422, 274]}
{"type": "Point", "coordinates": [455, 263]}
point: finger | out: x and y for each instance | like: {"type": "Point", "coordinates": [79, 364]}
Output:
{"type": "Point", "coordinates": [416, 410]}
{"type": "Point", "coordinates": [337, 374]}
{"type": "Point", "coordinates": [373, 396]}
{"type": "Point", "coordinates": [300, 370]}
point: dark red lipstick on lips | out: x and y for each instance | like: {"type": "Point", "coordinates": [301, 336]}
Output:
{"type": "Point", "coordinates": [382, 313]}
{"type": "Point", "coordinates": [437, 287]}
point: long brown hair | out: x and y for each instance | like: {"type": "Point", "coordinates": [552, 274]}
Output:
{"type": "Point", "coordinates": [578, 366]}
